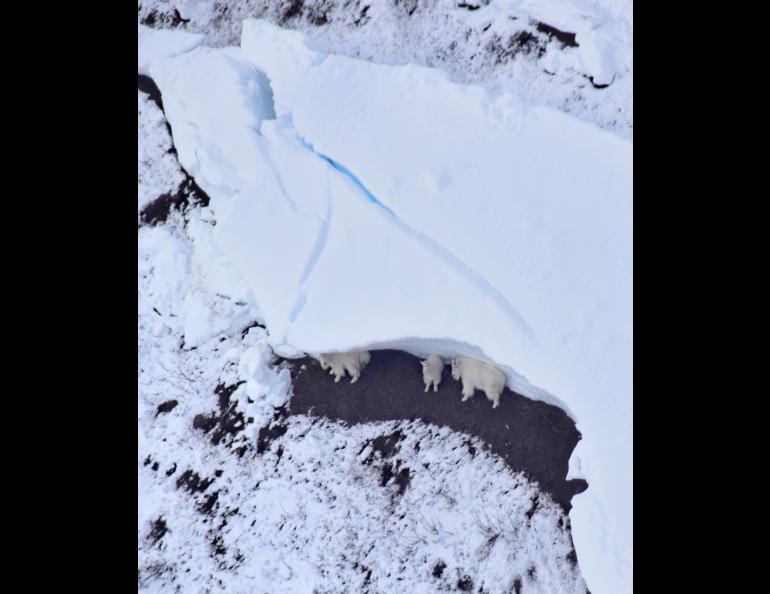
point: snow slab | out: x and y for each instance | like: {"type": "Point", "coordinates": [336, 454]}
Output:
{"type": "Point", "coordinates": [160, 43]}
{"type": "Point", "coordinates": [388, 206]}
{"type": "Point", "coordinates": [489, 45]}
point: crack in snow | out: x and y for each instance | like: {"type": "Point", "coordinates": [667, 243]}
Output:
{"type": "Point", "coordinates": [320, 242]}
{"type": "Point", "coordinates": [474, 276]}
{"type": "Point", "coordinates": [310, 264]}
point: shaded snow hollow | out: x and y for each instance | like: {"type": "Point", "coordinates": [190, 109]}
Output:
{"type": "Point", "coordinates": [362, 211]}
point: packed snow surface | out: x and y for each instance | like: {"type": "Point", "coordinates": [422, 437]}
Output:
{"type": "Point", "coordinates": [155, 44]}
{"type": "Point", "coordinates": [369, 205]}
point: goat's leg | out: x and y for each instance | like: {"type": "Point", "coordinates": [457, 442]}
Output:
{"type": "Point", "coordinates": [494, 396]}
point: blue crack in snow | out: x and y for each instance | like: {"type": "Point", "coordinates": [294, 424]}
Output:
{"type": "Point", "coordinates": [471, 274]}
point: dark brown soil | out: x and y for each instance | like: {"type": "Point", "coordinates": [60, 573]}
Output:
{"type": "Point", "coordinates": [147, 85]}
{"type": "Point", "coordinates": [268, 434]}
{"type": "Point", "coordinates": [533, 437]}
{"type": "Point", "coordinates": [167, 406]}
{"type": "Point", "coordinates": [566, 38]}
{"type": "Point", "coordinates": [465, 584]}
{"type": "Point", "coordinates": [192, 481]}
{"type": "Point", "coordinates": [228, 423]}
{"type": "Point", "coordinates": [163, 20]}
{"type": "Point", "coordinates": [188, 193]}
{"type": "Point", "coordinates": [159, 530]}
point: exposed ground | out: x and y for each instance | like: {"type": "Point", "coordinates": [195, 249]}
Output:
{"type": "Point", "coordinates": [531, 436]}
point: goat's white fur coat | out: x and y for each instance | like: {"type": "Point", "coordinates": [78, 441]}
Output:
{"type": "Point", "coordinates": [432, 368]}
{"type": "Point", "coordinates": [477, 375]}
{"type": "Point", "coordinates": [339, 363]}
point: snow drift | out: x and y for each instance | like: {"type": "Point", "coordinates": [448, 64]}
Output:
{"type": "Point", "coordinates": [385, 206]}
{"type": "Point", "coordinates": [155, 44]}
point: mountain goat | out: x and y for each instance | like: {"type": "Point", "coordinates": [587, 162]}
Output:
{"type": "Point", "coordinates": [432, 368]}
{"type": "Point", "coordinates": [477, 375]}
{"type": "Point", "coordinates": [339, 363]}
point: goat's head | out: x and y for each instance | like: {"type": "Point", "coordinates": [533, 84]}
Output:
{"type": "Point", "coordinates": [455, 370]}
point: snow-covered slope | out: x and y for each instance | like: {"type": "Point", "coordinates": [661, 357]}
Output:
{"type": "Point", "coordinates": [539, 206]}
{"type": "Point", "coordinates": [314, 508]}
{"type": "Point", "coordinates": [573, 55]}
{"type": "Point", "coordinates": [389, 206]}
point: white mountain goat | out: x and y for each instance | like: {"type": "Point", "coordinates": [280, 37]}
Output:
{"type": "Point", "coordinates": [431, 371]}
{"type": "Point", "coordinates": [477, 375]}
{"type": "Point", "coordinates": [339, 363]}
